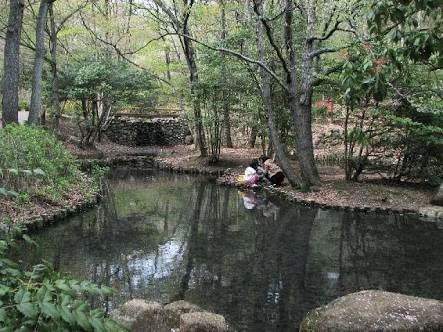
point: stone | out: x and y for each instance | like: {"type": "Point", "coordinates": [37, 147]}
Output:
{"type": "Point", "coordinates": [202, 322]}
{"type": "Point", "coordinates": [144, 132]}
{"type": "Point", "coordinates": [438, 198]}
{"type": "Point", "coordinates": [142, 316]}
{"type": "Point", "coordinates": [189, 140]}
{"type": "Point", "coordinates": [374, 310]}
{"type": "Point", "coordinates": [177, 308]}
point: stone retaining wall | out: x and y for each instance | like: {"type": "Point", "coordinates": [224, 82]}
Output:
{"type": "Point", "coordinates": [145, 132]}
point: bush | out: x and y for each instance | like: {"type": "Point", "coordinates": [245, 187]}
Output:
{"type": "Point", "coordinates": [34, 161]}
{"type": "Point", "coordinates": [42, 299]}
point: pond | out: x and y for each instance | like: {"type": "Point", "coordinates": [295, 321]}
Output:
{"type": "Point", "coordinates": [261, 263]}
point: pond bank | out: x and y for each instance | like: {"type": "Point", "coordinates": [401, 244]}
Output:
{"type": "Point", "coordinates": [368, 195]}
{"type": "Point", "coordinates": [334, 193]}
{"type": "Point", "coordinates": [38, 212]}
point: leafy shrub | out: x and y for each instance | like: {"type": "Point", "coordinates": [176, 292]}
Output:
{"type": "Point", "coordinates": [23, 105]}
{"type": "Point", "coordinates": [33, 160]}
{"type": "Point", "coordinates": [42, 299]}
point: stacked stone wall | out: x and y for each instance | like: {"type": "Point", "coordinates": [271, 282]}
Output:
{"type": "Point", "coordinates": [145, 132]}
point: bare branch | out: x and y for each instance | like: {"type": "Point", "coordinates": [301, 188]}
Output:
{"type": "Point", "coordinates": [239, 56]}
{"type": "Point", "coordinates": [271, 40]}
{"type": "Point", "coordinates": [67, 17]}
{"type": "Point", "coordinates": [321, 51]}
{"type": "Point", "coordinates": [120, 53]}
{"type": "Point", "coordinates": [327, 35]}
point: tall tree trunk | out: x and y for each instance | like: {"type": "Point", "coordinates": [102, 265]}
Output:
{"type": "Point", "coordinates": [11, 64]}
{"type": "Point", "coordinates": [300, 100]}
{"type": "Point", "coordinates": [56, 110]}
{"type": "Point", "coordinates": [226, 116]}
{"type": "Point", "coordinates": [274, 135]}
{"type": "Point", "coordinates": [36, 95]}
{"type": "Point", "coordinates": [191, 60]}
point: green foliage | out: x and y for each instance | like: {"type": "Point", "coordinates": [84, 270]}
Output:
{"type": "Point", "coordinates": [122, 85]}
{"type": "Point", "coordinates": [34, 161]}
{"type": "Point", "coordinates": [23, 105]}
{"type": "Point", "coordinates": [41, 299]}
{"type": "Point", "coordinates": [415, 25]}
{"type": "Point", "coordinates": [392, 120]}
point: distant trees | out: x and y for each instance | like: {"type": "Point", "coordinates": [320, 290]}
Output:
{"type": "Point", "coordinates": [101, 86]}
{"type": "Point", "coordinates": [179, 19]}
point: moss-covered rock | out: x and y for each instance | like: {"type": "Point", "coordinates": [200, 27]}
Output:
{"type": "Point", "coordinates": [202, 322]}
{"type": "Point", "coordinates": [142, 316]}
{"type": "Point", "coordinates": [376, 311]}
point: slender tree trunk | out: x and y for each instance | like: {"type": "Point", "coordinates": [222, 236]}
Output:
{"type": "Point", "coordinates": [252, 137]}
{"type": "Point", "coordinates": [191, 60]}
{"type": "Point", "coordinates": [346, 142]}
{"type": "Point", "coordinates": [11, 63]}
{"type": "Point", "coordinates": [226, 116]}
{"type": "Point", "coordinates": [36, 95]}
{"type": "Point", "coordinates": [55, 84]}
{"type": "Point", "coordinates": [274, 135]}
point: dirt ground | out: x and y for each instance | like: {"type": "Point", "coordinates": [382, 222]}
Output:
{"type": "Point", "coordinates": [371, 192]}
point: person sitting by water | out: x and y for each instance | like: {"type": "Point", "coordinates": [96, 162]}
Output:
{"type": "Point", "coordinates": [251, 176]}
{"type": "Point", "coordinates": [271, 170]}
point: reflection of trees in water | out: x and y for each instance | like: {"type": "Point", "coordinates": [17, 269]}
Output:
{"type": "Point", "coordinates": [262, 269]}
{"type": "Point", "coordinates": [254, 276]}
{"type": "Point", "coordinates": [391, 253]}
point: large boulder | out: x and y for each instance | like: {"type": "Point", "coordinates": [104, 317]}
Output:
{"type": "Point", "coordinates": [142, 316]}
{"type": "Point", "coordinates": [202, 322]}
{"type": "Point", "coordinates": [376, 311]}
{"type": "Point", "coordinates": [438, 198]}
{"type": "Point", "coordinates": [177, 308]}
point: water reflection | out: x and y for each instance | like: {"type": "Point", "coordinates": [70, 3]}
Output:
{"type": "Point", "coordinates": [262, 264]}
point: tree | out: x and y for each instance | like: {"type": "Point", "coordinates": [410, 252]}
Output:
{"type": "Point", "coordinates": [36, 96]}
{"type": "Point", "coordinates": [12, 62]}
{"type": "Point", "coordinates": [90, 81]}
{"type": "Point", "coordinates": [274, 135]}
{"type": "Point", "coordinates": [179, 20]}
{"type": "Point", "coordinates": [226, 118]}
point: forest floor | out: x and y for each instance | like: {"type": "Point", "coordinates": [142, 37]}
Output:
{"type": "Point", "coordinates": [25, 212]}
{"type": "Point", "coordinates": [371, 191]}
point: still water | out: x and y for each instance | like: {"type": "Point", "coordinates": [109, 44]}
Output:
{"type": "Point", "coordinates": [261, 263]}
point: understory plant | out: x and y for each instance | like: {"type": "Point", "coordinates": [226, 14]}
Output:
{"type": "Point", "coordinates": [34, 162]}
{"type": "Point", "coordinates": [41, 299]}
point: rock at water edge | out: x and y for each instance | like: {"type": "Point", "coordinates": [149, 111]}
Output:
{"type": "Point", "coordinates": [141, 316]}
{"type": "Point", "coordinates": [202, 322]}
{"type": "Point", "coordinates": [373, 310]}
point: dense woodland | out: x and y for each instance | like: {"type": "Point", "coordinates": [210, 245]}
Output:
{"type": "Point", "coordinates": [267, 69]}
{"type": "Point", "coordinates": [262, 74]}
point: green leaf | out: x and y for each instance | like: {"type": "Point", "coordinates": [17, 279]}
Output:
{"type": "Point", "coordinates": [4, 290]}
{"type": "Point", "coordinates": [13, 193]}
{"type": "Point", "coordinates": [3, 315]}
{"type": "Point", "coordinates": [24, 305]}
{"type": "Point", "coordinates": [29, 240]}
{"type": "Point", "coordinates": [13, 171]}
{"type": "Point", "coordinates": [82, 319]}
{"type": "Point", "coordinates": [27, 172]}
{"type": "Point", "coordinates": [39, 171]}
{"type": "Point", "coordinates": [50, 310]}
